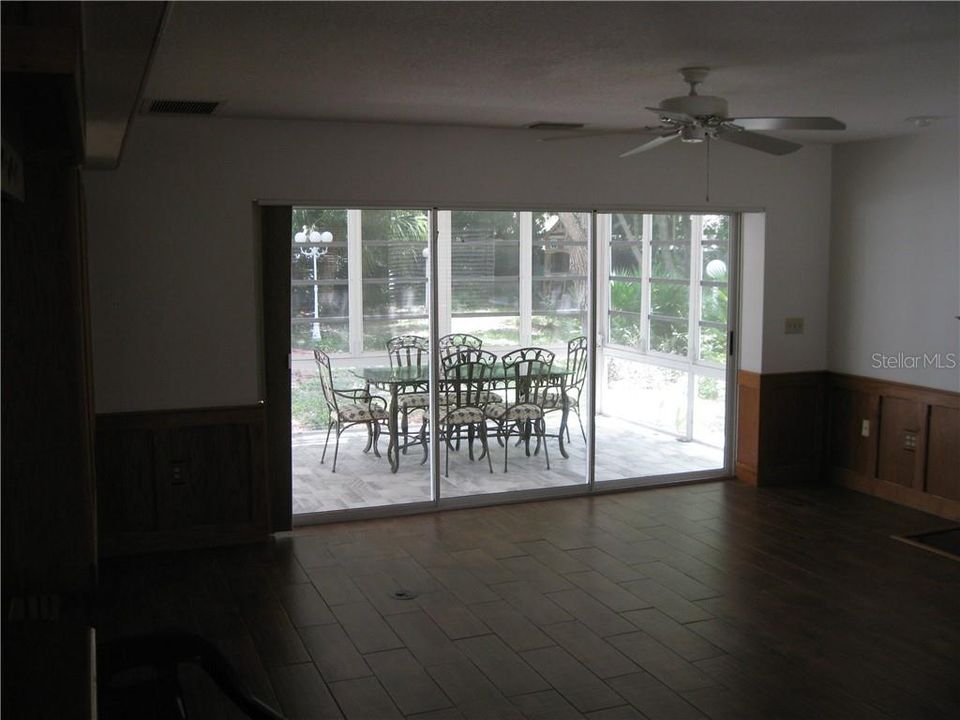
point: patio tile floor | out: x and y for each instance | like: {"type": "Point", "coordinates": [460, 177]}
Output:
{"type": "Point", "coordinates": [363, 480]}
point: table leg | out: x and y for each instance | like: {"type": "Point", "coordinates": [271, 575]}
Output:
{"type": "Point", "coordinates": [393, 448]}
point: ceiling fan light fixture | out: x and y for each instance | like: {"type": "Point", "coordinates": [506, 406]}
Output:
{"type": "Point", "coordinates": [696, 105]}
{"type": "Point", "coordinates": [693, 134]}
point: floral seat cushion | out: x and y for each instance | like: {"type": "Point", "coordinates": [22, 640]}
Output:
{"type": "Point", "coordinates": [414, 400]}
{"type": "Point", "coordinates": [460, 415]}
{"type": "Point", "coordinates": [521, 412]}
{"type": "Point", "coordinates": [487, 396]}
{"type": "Point", "coordinates": [361, 413]}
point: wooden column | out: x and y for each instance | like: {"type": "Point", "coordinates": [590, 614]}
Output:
{"type": "Point", "coordinates": [48, 497]}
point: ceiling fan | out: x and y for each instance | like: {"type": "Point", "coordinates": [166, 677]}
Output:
{"type": "Point", "coordinates": [698, 118]}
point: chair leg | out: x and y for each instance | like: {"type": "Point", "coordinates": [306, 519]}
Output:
{"type": "Point", "coordinates": [580, 420]}
{"type": "Point", "coordinates": [423, 440]}
{"type": "Point", "coordinates": [369, 438]}
{"type": "Point", "coordinates": [327, 442]}
{"type": "Point", "coordinates": [446, 467]}
{"type": "Point", "coordinates": [542, 432]}
{"type": "Point", "coordinates": [376, 437]}
{"type": "Point", "coordinates": [404, 427]}
{"type": "Point", "coordinates": [506, 446]}
{"type": "Point", "coordinates": [336, 448]}
{"type": "Point", "coordinates": [486, 447]}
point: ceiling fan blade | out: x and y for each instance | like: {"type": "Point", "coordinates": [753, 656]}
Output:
{"type": "Point", "coordinates": [763, 143]}
{"type": "Point", "coordinates": [678, 117]}
{"type": "Point", "coordinates": [656, 142]}
{"type": "Point", "coordinates": [601, 133]}
{"type": "Point", "coordinates": [789, 123]}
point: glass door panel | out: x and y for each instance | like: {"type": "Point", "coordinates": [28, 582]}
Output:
{"type": "Point", "coordinates": [358, 279]}
{"type": "Point", "coordinates": [664, 326]}
{"type": "Point", "coordinates": [517, 280]}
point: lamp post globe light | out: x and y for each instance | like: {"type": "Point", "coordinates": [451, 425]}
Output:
{"type": "Point", "coordinates": [313, 242]}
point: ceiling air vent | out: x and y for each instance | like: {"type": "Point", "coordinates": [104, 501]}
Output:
{"type": "Point", "coordinates": [554, 126]}
{"type": "Point", "coordinates": [181, 107]}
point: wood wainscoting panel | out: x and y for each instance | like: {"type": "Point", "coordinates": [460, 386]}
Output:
{"type": "Point", "coordinates": [214, 483]}
{"type": "Point", "coordinates": [885, 464]}
{"type": "Point", "coordinates": [847, 446]}
{"type": "Point", "coordinates": [901, 442]}
{"type": "Point", "coordinates": [126, 485]}
{"type": "Point", "coordinates": [780, 420]}
{"type": "Point", "coordinates": [748, 426]}
{"type": "Point", "coordinates": [184, 478]}
{"type": "Point", "coordinates": [943, 452]}
{"type": "Point", "coordinates": [792, 420]}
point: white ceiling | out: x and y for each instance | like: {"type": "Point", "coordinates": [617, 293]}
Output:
{"type": "Point", "coordinates": [509, 64]}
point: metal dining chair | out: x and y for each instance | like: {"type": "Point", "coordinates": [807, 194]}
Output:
{"type": "Point", "coordinates": [567, 396]}
{"type": "Point", "coordinates": [527, 371]}
{"type": "Point", "coordinates": [410, 351]}
{"type": "Point", "coordinates": [459, 340]}
{"type": "Point", "coordinates": [462, 395]}
{"type": "Point", "coordinates": [464, 353]}
{"type": "Point", "coordinates": [362, 409]}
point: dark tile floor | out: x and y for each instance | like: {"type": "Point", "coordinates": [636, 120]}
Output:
{"type": "Point", "coordinates": [710, 601]}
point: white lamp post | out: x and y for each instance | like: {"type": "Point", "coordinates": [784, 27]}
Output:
{"type": "Point", "coordinates": [314, 251]}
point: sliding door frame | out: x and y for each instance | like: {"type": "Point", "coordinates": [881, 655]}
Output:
{"type": "Point", "coordinates": [276, 365]}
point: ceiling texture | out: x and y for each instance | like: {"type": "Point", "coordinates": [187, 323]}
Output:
{"type": "Point", "coordinates": [510, 64]}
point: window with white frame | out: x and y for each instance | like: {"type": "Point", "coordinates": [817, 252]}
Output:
{"type": "Point", "coordinates": [485, 275]}
{"type": "Point", "coordinates": [393, 246]}
{"type": "Point", "coordinates": [626, 286]}
{"type": "Point", "coordinates": [666, 330]}
{"type": "Point", "coordinates": [559, 277]}
{"type": "Point", "coordinates": [319, 293]}
{"type": "Point", "coordinates": [668, 285]}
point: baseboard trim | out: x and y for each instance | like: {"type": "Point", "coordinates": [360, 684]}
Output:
{"type": "Point", "coordinates": [916, 499]}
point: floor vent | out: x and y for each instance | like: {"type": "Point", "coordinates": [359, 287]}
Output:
{"type": "Point", "coordinates": [181, 107]}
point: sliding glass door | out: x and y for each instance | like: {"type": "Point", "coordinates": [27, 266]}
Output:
{"type": "Point", "coordinates": [517, 285]}
{"type": "Point", "coordinates": [359, 280]}
{"type": "Point", "coordinates": [662, 406]}
{"type": "Point", "coordinates": [385, 320]}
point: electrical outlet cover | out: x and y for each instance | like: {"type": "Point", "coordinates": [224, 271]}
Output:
{"type": "Point", "coordinates": [793, 326]}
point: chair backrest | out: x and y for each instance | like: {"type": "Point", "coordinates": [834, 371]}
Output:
{"type": "Point", "coordinates": [463, 383]}
{"type": "Point", "coordinates": [455, 355]}
{"type": "Point", "coordinates": [408, 351]}
{"type": "Point", "coordinates": [459, 340]}
{"type": "Point", "coordinates": [326, 378]}
{"type": "Point", "coordinates": [528, 371]}
{"type": "Point", "coordinates": [576, 363]}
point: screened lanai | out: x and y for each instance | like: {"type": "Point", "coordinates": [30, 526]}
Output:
{"type": "Point", "coordinates": [651, 387]}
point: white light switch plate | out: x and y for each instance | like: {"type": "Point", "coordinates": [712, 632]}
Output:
{"type": "Point", "coordinates": [865, 428]}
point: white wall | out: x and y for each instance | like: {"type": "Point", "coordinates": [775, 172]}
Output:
{"type": "Point", "coordinates": [172, 241]}
{"type": "Point", "coordinates": [895, 256]}
{"type": "Point", "coordinates": [751, 293]}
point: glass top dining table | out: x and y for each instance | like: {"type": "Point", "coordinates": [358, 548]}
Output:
{"type": "Point", "coordinates": [395, 379]}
